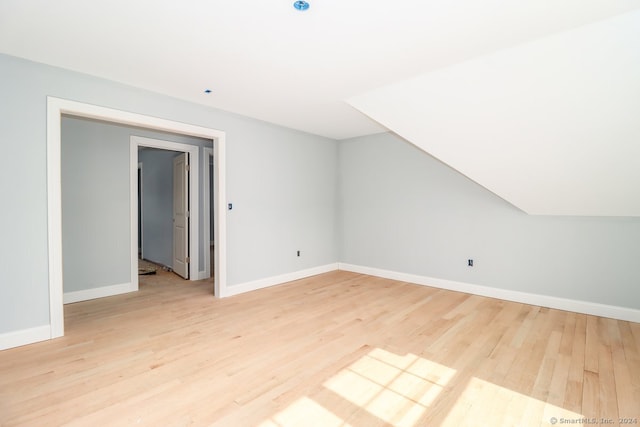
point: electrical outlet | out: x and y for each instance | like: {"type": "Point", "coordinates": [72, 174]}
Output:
{"type": "Point", "coordinates": [470, 263]}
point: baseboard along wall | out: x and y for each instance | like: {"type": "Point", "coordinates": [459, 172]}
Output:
{"type": "Point", "coordinates": [278, 280]}
{"type": "Point", "coordinates": [576, 306]}
{"type": "Point", "coordinates": [105, 291]}
{"type": "Point", "coordinates": [24, 337]}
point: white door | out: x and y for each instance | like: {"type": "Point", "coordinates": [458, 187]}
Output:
{"type": "Point", "coordinates": [181, 215]}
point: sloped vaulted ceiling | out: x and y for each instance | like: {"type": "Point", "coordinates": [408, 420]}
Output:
{"type": "Point", "coordinates": [552, 126]}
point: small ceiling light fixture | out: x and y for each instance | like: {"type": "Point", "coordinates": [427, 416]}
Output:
{"type": "Point", "coordinates": [301, 5]}
{"type": "Point", "coordinates": [207, 91]}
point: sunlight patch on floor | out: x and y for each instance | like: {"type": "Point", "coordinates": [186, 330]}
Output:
{"type": "Point", "coordinates": [396, 389]}
{"type": "Point", "coordinates": [482, 400]}
{"type": "Point", "coordinates": [305, 412]}
{"type": "Point", "coordinates": [386, 388]}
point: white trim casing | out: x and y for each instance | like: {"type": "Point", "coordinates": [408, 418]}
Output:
{"type": "Point", "coordinates": [576, 306]}
{"type": "Point", "coordinates": [93, 293]}
{"type": "Point", "coordinates": [56, 107]}
{"type": "Point", "coordinates": [206, 232]}
{"type": "Point", "coordinates": [54, 216]}
{"type": "Point", "coordinates": [278, 280]}
{"type": "Point", "coordinates": [220, 215]}
{"type": "Point", "coordinates": [141, 208]}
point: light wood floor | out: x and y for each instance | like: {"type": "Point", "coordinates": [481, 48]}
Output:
{"type": "Point", "coordinates": [332, 350]}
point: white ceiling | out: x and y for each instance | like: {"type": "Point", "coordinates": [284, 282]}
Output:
{"type": "Point", "coordinates": [264, 59]}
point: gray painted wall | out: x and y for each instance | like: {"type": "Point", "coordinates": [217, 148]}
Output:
{"type": "Point", "coordinates": [95, 206]}
{"type": "Point", "coordinates": [157, 202]}
{"type": "Point", "coordinates": [404, 211]}
{"type": "Point", "coordinates": [282, 183]}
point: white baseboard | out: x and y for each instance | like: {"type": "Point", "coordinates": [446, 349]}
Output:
{"type": "Point", "coordinates": [105, 291]}
{"type": "Point", "coordinates": [278, 280]}
{"type": "Point", "coordinates": [584, 307]}
{"type": "Point", "coordinates": [24, 337]}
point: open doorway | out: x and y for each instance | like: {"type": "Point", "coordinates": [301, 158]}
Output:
{"type": "Point", "coordinates": [163, 212]}
{"type": "Point", "coordinates": [55, 109]}
{"type": "Point", "coordinates": [174, 238]}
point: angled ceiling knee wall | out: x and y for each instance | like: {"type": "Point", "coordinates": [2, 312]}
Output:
{"type": "Point", "coordinates": [551, 126]}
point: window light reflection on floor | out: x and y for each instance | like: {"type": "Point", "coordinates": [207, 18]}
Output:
{"type": "Point", "coordinates": [305, 412]}
{"type": "Point", "coordinates": [483, 400]}
{"type": "Point", "coordinates": [392, 388]}
{"type": "Point", "coordinates": [396, 389]}
{"type": "Point", "coordinates": [399, 390]}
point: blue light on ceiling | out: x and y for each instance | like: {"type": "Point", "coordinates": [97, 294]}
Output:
{"type": "Point", "coordinates": [301, 5]}
{"type": "Point", "coordinates": [207, 91]}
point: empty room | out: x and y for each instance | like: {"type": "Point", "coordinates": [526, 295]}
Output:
{"type": "Point", "coordinates": [294, 213]}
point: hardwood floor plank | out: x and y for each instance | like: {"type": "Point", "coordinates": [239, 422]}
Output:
{"type": "Point", "coordinates": [608, 395]}
{"type": "Point", "coordinates": [591, 345]}
{"type": "Point", "coordinates": [591, 396]}
{"type": "Point", "coordinates": [575, 379]}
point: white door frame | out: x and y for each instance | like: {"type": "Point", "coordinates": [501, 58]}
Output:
{"type": "Point", "coordinates": [194, 234]}
{"type": "Point", "coordinates": [141, 210]}
{"type": "Point", "coordinates": [56, 107]}
{"type": "Point", "coordinates": [207, 151]}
